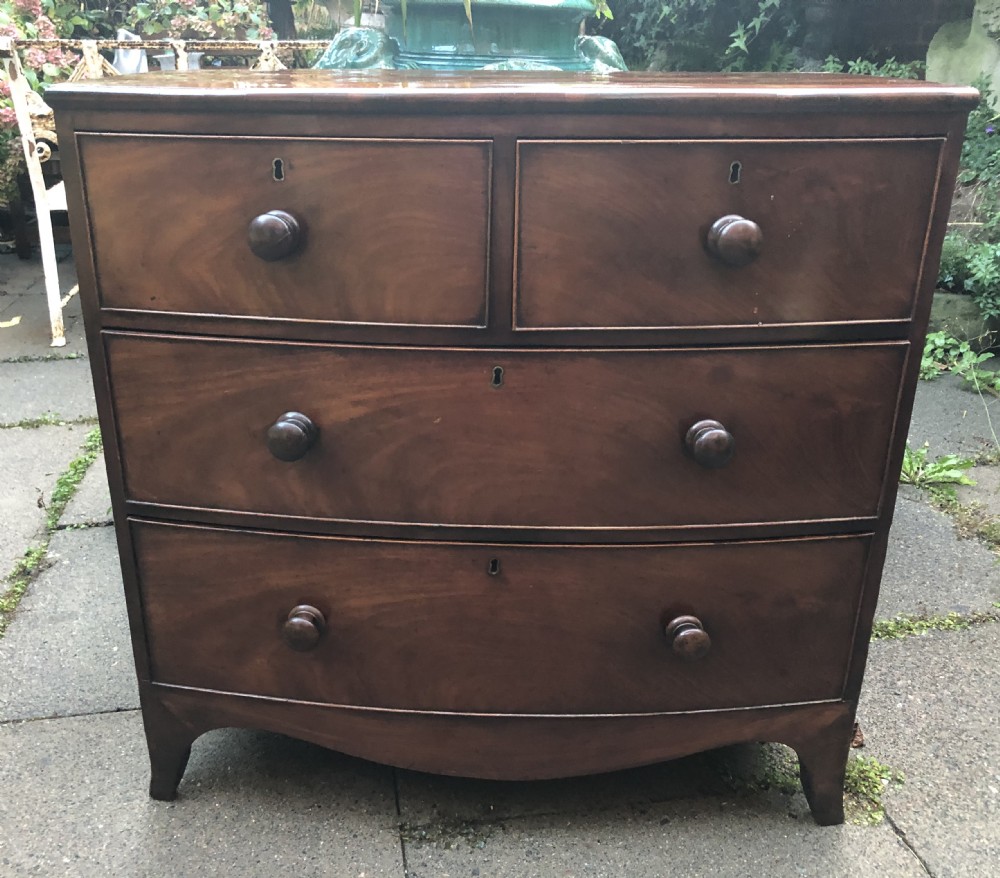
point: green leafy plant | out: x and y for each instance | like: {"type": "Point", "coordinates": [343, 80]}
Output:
{"type": "Point", "coordinates": [901, 626]}
{"type": "Point", "coordinates": [949, 469]}
{"type": "Point", "coordinates": [979, 167]}
{"type": "Point", "coordinates": [188, 19]}
{"type": "Point", "coordinates": [866, 780]}
{"type": "Point", "coordinates": [868, 67]}
{"type": "Point", "coordinates": [945, 353]}
{"type": "Point", "coordinates": [706, 34]}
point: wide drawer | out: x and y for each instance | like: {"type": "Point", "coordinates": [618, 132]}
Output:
{"type": "Point", "coordinates": [615, 233]}
{"type": "Point", "coordinates": [497, 628]}
{"type": "Point", "coordinates": [390, 231]}
{"type": "Point", "coordinates": [502, 438]}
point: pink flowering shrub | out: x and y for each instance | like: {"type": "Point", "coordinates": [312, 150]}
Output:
{"type": "Point", "coordinates": [26, 19]}
{"type": "Point", "coordinates": [188, 19]}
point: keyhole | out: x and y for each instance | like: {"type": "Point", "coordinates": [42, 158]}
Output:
{"type": "Point", "coordinates": [497, 380]}
{"type": "Point", "coordinates": [493, 568]}
{"type": "Point", "coordinates": [279, 169]}
{"type": "Point", "coordinates": [735, 169]}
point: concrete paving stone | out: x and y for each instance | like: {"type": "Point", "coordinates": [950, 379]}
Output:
{"type": "Point", "coordinates": [67, 650]}
{"type": "Point", "coordinates": [929, 569]}
{"type": "Point", "coordinates": [426, 798]}
{"type": "Point", "coordinates": [30, 463]}
{"type": "Point", "coordinates": [75, 805]}
{"type": "Point", "coordinates": [953, 420]}
{"type": "Point", "coordinates": [91, 504]}
{"type": "Point", "coordinates": [986, 490]}
{"type": "Point", "coordinates": [700, 838]}
{"type": "Point", "coordinates": [22, 294]}
{"type": "Point", "coordinates": [929, 709]}
{"type": "Point", "coordinates": [60, 387]}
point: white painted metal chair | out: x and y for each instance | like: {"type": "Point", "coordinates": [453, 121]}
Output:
{"type": "Point", "coordinates": [35, 122]}
{"type": "Point", "coordinates": [34, 117]}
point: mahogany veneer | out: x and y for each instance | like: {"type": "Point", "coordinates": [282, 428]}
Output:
{"type": "Point", "coordinates": [516, 426]}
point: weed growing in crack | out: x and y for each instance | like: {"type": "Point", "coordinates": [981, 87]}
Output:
{"type": "Point", "coordinates": [902, 626]}
{"type": "Point", "coordinates": [17, 581]}
{"type": "Point", "coordinates": [865, 781]}
{"type": "Point", "coordinates": [948, 469]}
{"type": "Point", "coordinates": [776, 767]}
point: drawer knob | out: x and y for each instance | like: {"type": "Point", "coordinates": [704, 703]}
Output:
{"type": "Point", "coordinates": [291, 436]}
{"type": "Point", "coordinates": [711, 444]}
{"type": "Point", "coordinates": [274, 235]}
{"type": "Point", "coordinates": [303, 628]}
{"type": "Point", "coordinates": [735, 240]}
{"type": "Point", "coordinates": [688, 638]}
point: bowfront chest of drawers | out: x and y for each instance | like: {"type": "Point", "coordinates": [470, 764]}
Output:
{"type": "Point", "coordinates": [508, 427]}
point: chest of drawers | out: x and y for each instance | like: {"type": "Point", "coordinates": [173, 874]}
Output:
{"type": "Point", "coordinates": [508, 427]}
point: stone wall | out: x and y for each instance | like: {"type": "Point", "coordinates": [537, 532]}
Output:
{"type": "Point", "coordinates": [964, 51]}
{"type": "Point", "coordinates": [903, 28]}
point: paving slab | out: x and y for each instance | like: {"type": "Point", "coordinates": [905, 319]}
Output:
{"type": "Point", "coordinates": [929, 708]}
{"type": "Point", "coordinates": [22, 298]}
{"type": "Point", "coordinates": [30, 463]}
{"type": "Point", "coordinates": [58, 388]}
{"type": "Point", "coordinates": [929, 569]}
{"type": "Point", "coordinates": [74, 804]}
{"type": "Point", "coordinates": [718, 838]}
{"type": "Point", "coordinates": [67, 650]}
{"type": "Point", "coordinates": [985, 492]}
{"type": "Point", "coordinates": [952, 420]}
{"type": "Point", "coordinates": [428, 798]}
{"type": "Point", "coordinates": [91, 504]}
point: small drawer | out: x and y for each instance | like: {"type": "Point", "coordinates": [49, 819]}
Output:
{"type": "Point", "coordinates": [346, 231]}
{"type": "Point", "coordinates": [609, 439]}
{"type": "Point", "coordinates": [499, 629]}
{"type": "Point", "coordinates": [650, 234]}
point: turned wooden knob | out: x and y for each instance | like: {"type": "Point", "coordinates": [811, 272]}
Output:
{"type": "Point", "coordinates": [274, 235]}
{"type": "Point", "coordinates": [711, 444]}
{"type": "Point", "coordinates": [291, 436]}
{"type": "Point", "coordinates": [735, 240]}
{"type": "Point", "coordinates": [303, 628]}
{"type": "Point", "coordinates": [688, 638]}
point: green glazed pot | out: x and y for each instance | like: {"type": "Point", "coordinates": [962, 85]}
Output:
{"type": "Point", "coordinates": [438, 35]}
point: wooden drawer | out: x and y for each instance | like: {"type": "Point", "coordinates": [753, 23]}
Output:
{"type": "Point", "coordinates": [427, 626]}
{"type": "Point", "coordinates": [613, 233]}
{"type": "Point", "coordinates": [391, 231]}
{"type": "Point", "coordinates": [570, 439]}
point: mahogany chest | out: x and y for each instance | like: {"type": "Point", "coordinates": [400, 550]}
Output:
{"type": "Point", "coordinates": [511, 426]}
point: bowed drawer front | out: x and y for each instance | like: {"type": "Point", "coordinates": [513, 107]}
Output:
{"type": "Point", "coordinates": [513, 426]}
{"type": "Point", "coordinates": [566, 439]}
{"type": "Point", "coordinates": [499, 629]}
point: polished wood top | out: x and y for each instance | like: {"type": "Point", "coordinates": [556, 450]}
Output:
{"type": "Point", "coordinates": [521, 91]}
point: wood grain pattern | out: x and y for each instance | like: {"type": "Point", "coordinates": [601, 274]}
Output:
{"type": "Point", "coordinates": [496, 747]}
{"type": "Point", "coordinates": [395, 231]}
{"type": "Point", "coordinates": [414, 91]}
{"type": "Point", "coordinates": [574, 445]}
{"type": "Point", "coordinates": [627, 246]}
{"type": "Point", "coordinates": [572, 439]}
{"type": "Point", "coordinates": [425, 626]}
